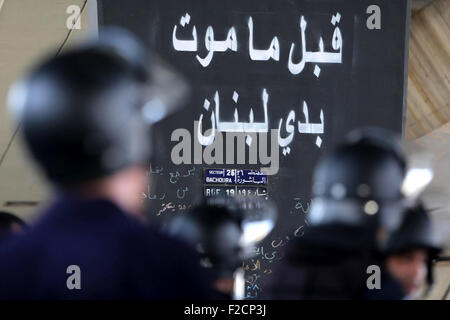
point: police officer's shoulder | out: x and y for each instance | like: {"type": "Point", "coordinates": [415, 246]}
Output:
{"type": "Point", "coordinates": [158, 261]}
{"type": "Point", "coordinates": [158, 241]}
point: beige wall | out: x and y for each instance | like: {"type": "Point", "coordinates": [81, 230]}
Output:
{"type": "Point", "coordinates": [29, 30]}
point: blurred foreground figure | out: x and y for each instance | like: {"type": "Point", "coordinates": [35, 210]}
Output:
{"type": "Point", "coordinates": [10, 225]}
{"type": "Point", "coordinates": [81, 118]}
{"type": "Point", "coordinates": [409, 253]}
{"type": "Point", "coordinates": [359, 195]}
{"type": "Point", "coordinates": [224, 231]}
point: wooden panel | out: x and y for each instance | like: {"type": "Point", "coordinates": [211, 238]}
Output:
{"type": "Point", "coordinates": [429, 70]}
{"type": "Point", "coordinates": [420, 4]}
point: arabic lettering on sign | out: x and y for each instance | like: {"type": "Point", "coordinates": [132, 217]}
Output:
{"type": "Point", "coordinates": [153, 196]}
{"type": "Point", "coordinates": [258, 267]}
{"type": "Point", "coordinates": [230, 191]}
{"type": "Point", "coordinates": [235, 176]}
{"type": "Point", "coordinates": [175, 176]}
{"type": "Point", "coordinates": [181, 192]}
{"type": "Point", "coordinates": [299, 121]}
{"type": "Point", "coordinates": [156, 171]}
{"type": "Point", "coordinates": [316, 56]}
{"type": "Point", "coordinates": [303, 127]}
{"type": "Point", "coordinates": [171, 207]}
{"type": "Point", "coordinates": [258, 127]}
{"type": "Point", "coordinates": [271, 53]}
{"type": "Point", "coordinates": [272, 252]}
{"type": "Point", "coordinates": [302, 207]}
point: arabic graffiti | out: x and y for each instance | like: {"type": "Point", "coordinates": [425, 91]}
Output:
{"type": "Point", "coordinates": [300, 120]}
{"type": "Point", "coordinates": [317, 56]}
{"type": "Point", "coordinates": [171, 207]}
{"type": "Point", "coordinates": [303, 127]}
{"type": "Point", "coordinates": [181, 193]}
{"type": "Point", "coordinates": [258, 127]}
{"type": "Point", "coordinates": [272, 252]}
{"type": "Point", "coordinates": [273, 52]}
{"type": "Point", "coordinates": [232, 126]}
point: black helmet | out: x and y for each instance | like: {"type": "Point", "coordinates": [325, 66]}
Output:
{"type": "Point", "coordinates": [416, 231]}
{"type": "Point", "coordinates": [85, 113]}
{"type": "Point", "coordinates": [360, 182]}
{"type": "Point", "coordinates": [224, 231]}
{"type": "Point", "coordinates": [215, 230]}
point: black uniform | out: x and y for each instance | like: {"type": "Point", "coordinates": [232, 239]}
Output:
{"type": "Point", "coordinates": [118, 256]}
{"type": "Point", "coordinates": [357, 197]}
{"type": "Point", "coordinates": [326, 263]}
{"type": "Point", "coordinates": [81, 116]}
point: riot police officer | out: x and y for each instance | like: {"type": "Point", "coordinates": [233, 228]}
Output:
{"type": "Point", "coordinates": [357, 197]}
{"type": "Point", "coordinates": [409, 254]}
{"type": "Point", "coordinates": [81, 117]}
{"type": "Point", "coordinates": [224, 231]}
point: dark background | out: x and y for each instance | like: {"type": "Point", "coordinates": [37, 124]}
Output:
{"type": "Point", "coordinates": [368, 88]}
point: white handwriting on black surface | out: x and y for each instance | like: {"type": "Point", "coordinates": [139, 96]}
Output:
{"type": "Point", "coordinates": [271, 53]}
